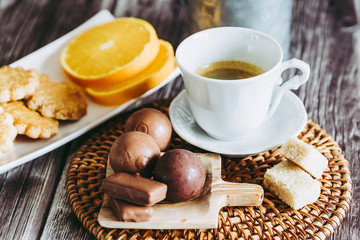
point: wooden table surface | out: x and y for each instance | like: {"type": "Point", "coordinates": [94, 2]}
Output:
{"type": "Point", "coordinates": [33, 201]}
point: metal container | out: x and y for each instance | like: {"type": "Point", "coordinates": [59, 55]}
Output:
{"type": "Point", "coordinates": [269, 16]}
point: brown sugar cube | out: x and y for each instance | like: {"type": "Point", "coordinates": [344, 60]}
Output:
{"type": "Point", "coordinates": [292, 185]}
{"type": "Point", "coordinates": [305, 156]}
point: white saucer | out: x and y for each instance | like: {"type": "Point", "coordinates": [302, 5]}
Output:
{"type": "Point", "coordinates": [288, 121]}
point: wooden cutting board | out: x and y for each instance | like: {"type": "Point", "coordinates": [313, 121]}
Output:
{"type": "Point", "coordinates": [199, 213]}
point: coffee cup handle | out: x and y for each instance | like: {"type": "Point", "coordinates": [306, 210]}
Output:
{"type": "Point", "coordinates": [293, 83]}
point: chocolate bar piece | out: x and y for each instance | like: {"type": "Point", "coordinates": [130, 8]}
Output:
{"type": "Point", "coordinates": [128, 212]}
{"type": "Point", "coordinates": [134, 188]}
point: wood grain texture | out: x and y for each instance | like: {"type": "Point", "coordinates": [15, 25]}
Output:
{"type": "Point", "coordinates": [61, 222]}
{"type": "Point", "coordinates": [33, 198]}
{"type": "Point", "coordinates": [22, 218]}
{"type": "Point", "coordinates": [331, 96]}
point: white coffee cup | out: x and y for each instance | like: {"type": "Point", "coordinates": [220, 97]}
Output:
{"type": "Point", "coordinates": [232, 109]}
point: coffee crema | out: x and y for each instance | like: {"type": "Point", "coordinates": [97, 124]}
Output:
{"type": "Point", "coordinates": [229, 70]}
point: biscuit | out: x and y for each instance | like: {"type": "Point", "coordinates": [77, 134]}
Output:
{"type": "Point", "coordinates": [57, 100]}
{"type": "Point", "coordinates": [7, 132]}
{"type": "Point", "coordinates": [16, 83]}
{"type": "Point", "coordinates": [29, 122]}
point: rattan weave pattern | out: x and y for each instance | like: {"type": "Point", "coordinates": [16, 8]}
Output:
{"type": "Point", "coordinates": [272, 220]}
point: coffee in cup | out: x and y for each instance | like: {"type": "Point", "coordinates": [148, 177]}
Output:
{"type": "Point", "coordinates": [231, 110]}
{"type": "Point", "coordinates": [229, 70]}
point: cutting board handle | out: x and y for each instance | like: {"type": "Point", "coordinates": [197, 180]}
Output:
{"type": "Point", "coordinates": [238, 194]}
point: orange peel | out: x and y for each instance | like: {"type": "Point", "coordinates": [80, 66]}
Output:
{"type": "Point", "coordinates": [111, 52]}
{"type": "Point", "coordinates": [153, 75]}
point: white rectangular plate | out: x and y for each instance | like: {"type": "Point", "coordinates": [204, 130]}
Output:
{"type": "Point", "coordinates": [46, 60]}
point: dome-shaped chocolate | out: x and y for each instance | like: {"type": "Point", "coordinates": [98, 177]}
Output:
{"type": "Point", "coordinates": [133, 152]}
{"type": "Point", "coordinates": [153, 122]}
{"type": "Point", "coordinates": [183, 172]}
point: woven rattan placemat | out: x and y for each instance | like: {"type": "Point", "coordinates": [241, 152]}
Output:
{"type": "Point", "coordinates": [272, 220]}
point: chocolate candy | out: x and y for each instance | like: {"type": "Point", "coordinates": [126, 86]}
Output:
{"type": "Point", "coordinates": [134, 188]}
{"type": "Point", "coordinates": [183, 172]}
{"type": "Point", "coordinates": [134, 152]}
{"type": "Point", "coordinates": [128, 212]}
{"type": "Point", "coordinates": [153, 122]}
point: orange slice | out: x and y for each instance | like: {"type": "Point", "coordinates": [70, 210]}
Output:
{"type": "Point", "coordinates": [111, 52]}
{"type": "Point", "coordinates": [152, 76]}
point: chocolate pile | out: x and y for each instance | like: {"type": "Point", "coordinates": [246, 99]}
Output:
{"type": "Point", "coordinates": [141, 176]}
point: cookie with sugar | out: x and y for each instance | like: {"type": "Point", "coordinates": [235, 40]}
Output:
{"type": "Point", "coordinates": [17, 83]}
{"type": "Point", "coordinates": [7, 132]}
{"type": "Point", "coordinates": [30, 122]}
{"type": "Point", "coordinates": [58, 100]}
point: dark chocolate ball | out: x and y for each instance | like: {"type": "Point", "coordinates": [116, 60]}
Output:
{"type": "Point", "coordinates": [153, 122]}
{"type": "Point", "coordinates": [183, 172]}
{"type": "Point", "coordinates": [134, 152]}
